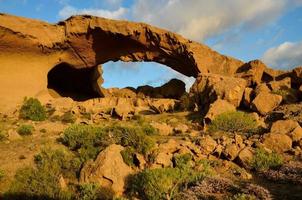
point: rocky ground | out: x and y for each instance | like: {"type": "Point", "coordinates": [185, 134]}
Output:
{"type": "Point", "coordinates": [230, 137]}
{"type": "Point", "coordinates": [235, 137]}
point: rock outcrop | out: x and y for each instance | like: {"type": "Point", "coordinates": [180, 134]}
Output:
{"type": "Point", "coordinates": [210, 87]}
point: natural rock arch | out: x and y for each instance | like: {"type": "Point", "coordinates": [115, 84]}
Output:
{"type": "Point", "coordinates": [31, 48]}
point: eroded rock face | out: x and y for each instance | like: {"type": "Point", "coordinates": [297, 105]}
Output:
{"type": "Point", "coordinates": [86, 41]}
{"type": "Point", "coordinates": [266, 102]}
{"type": "Point", "coordinates": [210, 87]}
{"type": "Point", "coordinates": [217, 108]}
{"type": "Point", "coordinates": [252, 72]}
{"type": "Point", "coordinates": [277, 142]}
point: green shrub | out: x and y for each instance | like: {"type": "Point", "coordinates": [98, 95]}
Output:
{"type": "Point", "coordinates": [149, 130]}
{"type": "Point", "coordinates": [139, 119]}
{"type": "Point", "coordinates": [86, 140]}
{"type": "Point", "coordinates": [43, 130]}
{"type": "Point", "coordinates": [162, 183]}
{"type": "Point", "coordinates": [58, 161]}
{"type": "Point", "coordinates": [92, 191]}
{"type": "Point", "coordinates": [3, 135]}
{"type": "Point", "coordinates": [43, 181]}
{"type": "Point", "coordinates": [25, 129]}
{"type": "Point", "coordinates": [242, 196]}
{"type": "Point", "coordinates": [68, 117]}
{"type": "Point", "coordinates": [87, 115]}
{"type": "Point", "coordinates": [264, 160]}
{"type": "Point", "coordinates": [2, 174]}
{"type": "Point", "coordinates": [132, 136]}
{"type": "Point", "coordinates": [182, 161]}
{"type": "Point", "coordinates": [233, 122]}
{"type": "Point", "coordinates": [89, 140]}
{"type": "Point", "coordinates": [128, 156]}
{"type": "Point", "coordinates": [154, 184]}
{"type": "Point", "coordinates": [35, 184]}
{"type": "Point", "coordinates": [32, 110]}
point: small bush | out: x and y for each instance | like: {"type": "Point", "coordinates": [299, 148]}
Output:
{"type": "Point", "coordinates": [86, 140]}
{"type": "Point", "coordinates": [132, 136]}
{"type": "Point", "coordinates": [43, 130]}
{"type": "Point", "coordinates": [234, 122]}
{"type": "Point", "coordinates": [128, 156]}
{"type": "Point", "coordinates": [68, 117]}
{"type": "Point", "coordinates": [87, 115]}
{"type": "Point", "coordinates": [92, 191]}
{"type": "Point", "coordinates": [264, 160]}
{"type": "Point", "coordinates": [35, 184]}
{"type": "Point", "coordinates": [3, 135]}
{"type": "Point", "coordinates": [182, 161]}
{"type": "Point", "coordinates": [43, 181]}
{"type": "Point", "coordinates": [25, 129]}
{"type": "Point", "coordinates": [58, 161]}
{"type": "Point", "coordinates": [242, 196]}
{"type": "Point", "coordinates": [163, 183]}
{"type": "Point", "coordinates": [149, 130]}
{"type": "Point", "coordinates": [2, 174]}
{"type": "Point", "coordinates": [154, 184]}
{"type": "Point", "coordinates": [32, 110]}
{"type": "Point", "coordinates": [139, 119]}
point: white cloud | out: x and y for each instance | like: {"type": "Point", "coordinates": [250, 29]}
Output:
{"type": "Point", "coordinates": [201, 19]}
{"type": "Point", "coordinates": [68, 11]}
{"type": "Point", "coordinates": [285, 56]}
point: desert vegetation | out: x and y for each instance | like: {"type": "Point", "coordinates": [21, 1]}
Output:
{"type": "Point", "coordinates": [163, 166]}
{"type": "Point", "coordinates": [33, 110]}
{"type": "Point", "coordinates": [236, 121]}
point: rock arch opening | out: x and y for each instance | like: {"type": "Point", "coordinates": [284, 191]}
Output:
{"type": "Point", "coordinates": [121, 80]}
{"type": "Point", "coordinates": [144, 79]}
{"type": "Point", "coordinates": [78, 84]}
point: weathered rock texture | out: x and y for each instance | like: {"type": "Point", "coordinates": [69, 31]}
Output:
{"type": "Point", "coordinates": [29, 49]}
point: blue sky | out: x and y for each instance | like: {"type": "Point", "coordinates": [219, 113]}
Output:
{"type": "Point", "coordinates": [269, 30]}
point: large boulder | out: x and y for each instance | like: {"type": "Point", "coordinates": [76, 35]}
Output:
{"type": "Point", "coordinates": [288, 127]}
{"type": "Point", "coordinates": [108, 170]}
{"type": "Point", "coordinates": [231, 151]}
{"type": "Point", "coordinates": [283, 84]}
{"type": "Point", "coordinates": [210, 87]}
{"type": "Point", "coordinates": [217, 108]}
{"type": "Point", "coordinates": [167, 150]}
{"type": "Point", "coordinates": [261, 88]}
{"type": "Point", "coordinates": [163, 128]}
{"type": "Point", "coordinates": [252, 72]}
{"type": "Point", "coordinates": [207, 144]}
{"type": "Point", "coordinates": [266, 102]}
{"type": "Point", "coordinates": [277, 142]}
{"type": "Point", "coordinates": [245, 157]}
{"type": "Point", "coordinates": [163, 105]}
{"type": "Point", "coordinates": [124, 108]}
